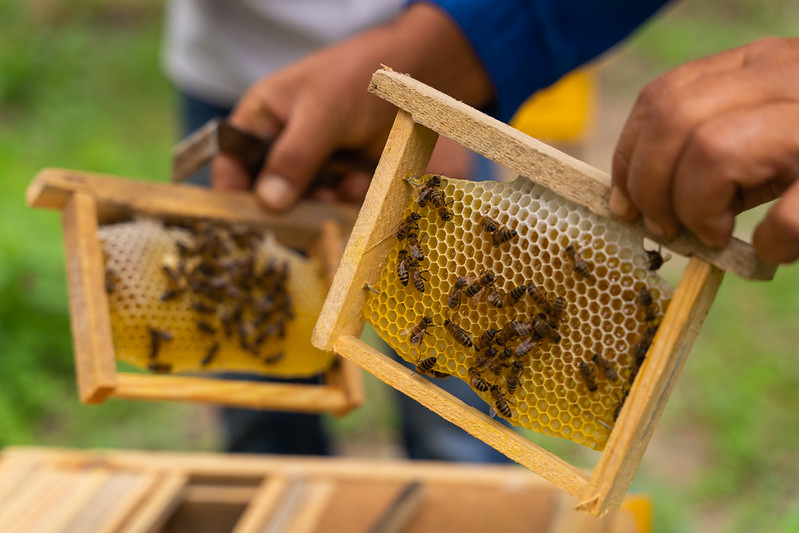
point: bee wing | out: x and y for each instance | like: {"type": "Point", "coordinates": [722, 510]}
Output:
{"type": "Point", "coordinates": [492, 412]}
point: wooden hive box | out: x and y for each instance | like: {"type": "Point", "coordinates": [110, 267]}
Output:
{"type": "Point", "coordinates": [423, 115]}
{"type": "Point", "coordinates": [88, 200]}
{"type": "Point", "coordinates": [136, 492]}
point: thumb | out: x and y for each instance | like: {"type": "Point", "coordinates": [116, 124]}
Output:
{"type": "Point", "coordinates": [307, 140]}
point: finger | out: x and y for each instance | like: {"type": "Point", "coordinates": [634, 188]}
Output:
{"type": "Point", "coordinates": [733, 162]}
{"type": "Point", "coordinates": [228, 173]}
{"type": "Point", "coordinates": [353, 187]}
{"type": "Point", "coordinates": [678, 77]}
{"type": "Point", "coordinates": [669, 126]}
{"type": "Point", "coordinates": [776, 238]}
{"type": "Point", "coordinates": [308, 139]}
{"type": "Point", "coordinates": [251, 114]}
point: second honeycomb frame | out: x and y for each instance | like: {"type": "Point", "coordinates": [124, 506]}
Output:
{"type": "Point", "coordinates": [85, 200]}
{"type": "Point", "coordinates": [425, 114]}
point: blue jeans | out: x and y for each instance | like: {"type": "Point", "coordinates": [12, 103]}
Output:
{"type": "Point", "coordinates": [425, 434]}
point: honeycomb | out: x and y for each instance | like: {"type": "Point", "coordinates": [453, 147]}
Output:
{"type": "Point", "coordinates": [599, 272]}
{"type": "Point", "coordinates": [136, 253]}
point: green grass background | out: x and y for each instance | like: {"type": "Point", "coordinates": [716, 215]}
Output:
{"type": "Point", "coordinates": [80, 87]}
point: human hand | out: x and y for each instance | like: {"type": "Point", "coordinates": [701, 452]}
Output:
{"type": "Point", "coordinates": [321, 104]}
{"type": "Point", "coordinates": [712, 138]}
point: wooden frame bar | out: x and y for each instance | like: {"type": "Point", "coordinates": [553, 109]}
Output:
{"type": "Point", "coordinates": [87, 199]}
{"type": "Point", "coordinates": [423, 110]}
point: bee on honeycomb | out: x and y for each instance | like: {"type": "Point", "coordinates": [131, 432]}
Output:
{"type": "Point", "coordinates": [205, 296]}
{"type": "Point", "coordinates": [525, 288]}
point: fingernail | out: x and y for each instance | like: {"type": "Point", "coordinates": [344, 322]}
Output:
{"type": "Point", "coordinates": [275, 192]}
{"type": "Point", "coordinates": [655, 228]}
{"type": "Point", "coordinates": [619, 203]}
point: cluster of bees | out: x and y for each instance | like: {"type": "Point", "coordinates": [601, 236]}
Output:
{"type": "Point", "coordinates": [496, 357]}
{"type": "Point", "coordinates": [230, 295]}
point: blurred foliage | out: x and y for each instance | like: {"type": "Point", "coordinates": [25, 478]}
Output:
{"type": "Point", "coordinates": [80, 87]}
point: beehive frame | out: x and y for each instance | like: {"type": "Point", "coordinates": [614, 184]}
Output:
{"type": "Point", "coordinates": [86, 200]}
{"type": "Point", "coordinates": [423, 115]}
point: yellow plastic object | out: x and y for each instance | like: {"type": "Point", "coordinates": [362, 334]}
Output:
{"type": "Point", "coordinates": [562, 112]}
{"type": "Point", "coordinates": [603, 312]}
{"type": "Point", "coordinates": [135, 254]}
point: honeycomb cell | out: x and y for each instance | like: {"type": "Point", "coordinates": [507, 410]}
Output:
{"type": "Point", "coordinates": [550, 396]}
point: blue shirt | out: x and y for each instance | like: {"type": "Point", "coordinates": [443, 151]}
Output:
{"type": "Point", "coordinates": [525, 45]}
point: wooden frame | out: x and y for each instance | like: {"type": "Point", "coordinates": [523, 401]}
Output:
{"type": "Point", "coordinates": [424, 114]}
{"type": "Point", "coordinates": [86, 200]}
{"type": "Point", "coordinates": [128, 491]}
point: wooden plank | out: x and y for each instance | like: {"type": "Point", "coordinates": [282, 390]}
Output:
{"type": "Point", "coordinates": [262, 505]}
{"type": "Point", "coordinates": [297, 227]}
{"type": "Point", "coordinates": [153, 513]}
{"type": "Point", "coordinates": [330, 248]}
{"type": "Point", "coordinates": [14, 470]}
{"type": "Point", "coordinates": [490, 431]}
{"type": "Point", "coordinates": [91, 324]}
{"type": "Point", "coordinates": [407, 152]}
{"type": "Point", "coordinates": [569, 177]}
{"type": "Point", "coordinates": [52, 514]}
{"type": "Point", "coordinates": [223, 494]}
{"type": "Point", "coordinates": [647, 399]}
{"type": "Point", "coordinates": [246, 466]}
{"type": "Point", "coordinates": [115, 503]}
{"type": "Point", "coordinates": [259, 395]}
{"type": "Point", "coordinates": [31, 496]}
{"type": "Point", "coordinates": [315, 499]}
{"type": "Point", "coordinates": [348, 376]}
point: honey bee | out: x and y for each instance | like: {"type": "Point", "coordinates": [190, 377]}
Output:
{"type": "Point", "coordinates": [273, 358]}
{"type": "Point", "coordinates": [606, 367]}
{"type": "Point", "coordinates": [418, 331]}
{"type": "Point", "coordinates": [489, 225]}
{"type": "Point", "coordinates": [410, 223]}
{"type": "Point", "coordinates": [640, 349]}
{"type": "Point", "coordinates": [514, 376]}
{"type": "Point", "coordinates": [654, 259]}
{"type": "Point", "coordinates": [545, 330]}
{"type": "Point", "coordinates": [158, 336]}
{"type": "Point", "coordinates": [524, 347]}
{"type": "Point", "coordinates": [402, 267]}
{"type": "Point", "coordinates": [509, 332]}
{"type": "Point", "coordinates": [539, 297]}
{"type": "Point", "coordinates": [515, 295]}
{"type": "Point", "coordinates": [172, 274]}
{"type": "Point", "coordinates": [437, 200]}
{"type": "Point", "coordinates": [432, 183]}
{"type": "Point", "coordinates": [458, 333]}
{"type": "Point", "coordinates": [581, 266]}
{"type": "Point", "coordinates": [478, 285]}
{"type": "Point", "coordinates": [110, 281]}
{"type": "Point", "coordinates": [496, 298]}
{"type": "Point", "coordinates": [171, 294]}
{"type": "Point", "coordinates": [588, 374]}
{"type": "Point", "coordinates": [477, 381]}
{"type": "Point", "coordinates": [210, 354]}
{"type": "Point", "coordinates": [205, 327]}
{"type": "Point", "coordinates": [416, 276]}
{"type": "Point", "coordinates": [499, 362]}
{"type": "Point", "coordinates": [556, 310]}
{"type": "Point", "coordinates": [484, 357]}
{"type": "Point", "coordinates": [159, 367]}
{"type": "Point", "coordinates": [202, 308]}
{"type": "Point", "coordinates": [425, 365]}
{"type": "Point", "coordinates": [619, 405]}
{"type": "Point", "coordinates": [502, 235]}
{"type": "Point", "coordinates": [454, 296]}
{"type": "Point", "coordinates": [645, 297]}
{"type": "Point", "coordinates": [485, 339]}
{"type": "Point", "coordinates": [414, 248]}
{"type": "Point", "coordinates": [500, 403]}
